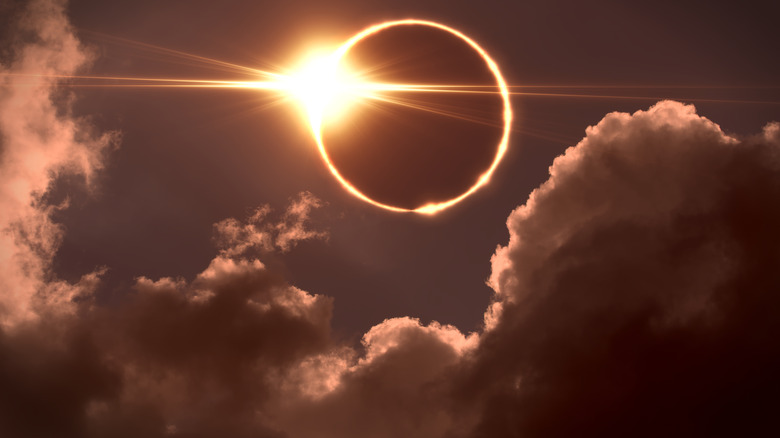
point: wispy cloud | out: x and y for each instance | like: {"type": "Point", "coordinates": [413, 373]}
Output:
{"type": "Point", "coordinates": [260, 233]}
{"type": "Point", "coordinates": [41, 141]}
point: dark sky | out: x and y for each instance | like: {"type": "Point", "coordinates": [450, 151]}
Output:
{"type": "Point", "coordinates": [653, 239]}
{"type": "Point", "coordinates": [191, 158]}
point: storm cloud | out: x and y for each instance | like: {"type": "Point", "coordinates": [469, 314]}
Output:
{"type": "Point", "coordinates": [639, 291]}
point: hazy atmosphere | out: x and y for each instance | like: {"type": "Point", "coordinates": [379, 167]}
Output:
{"type": "Point", "coordinates": [198, 236]}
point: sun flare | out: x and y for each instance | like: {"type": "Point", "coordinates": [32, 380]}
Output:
{"type": "Point", "coordinates": [325, 88]}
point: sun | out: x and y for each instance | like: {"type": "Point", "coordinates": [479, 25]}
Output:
{"type": "Point", "coordinates": [325, 88]}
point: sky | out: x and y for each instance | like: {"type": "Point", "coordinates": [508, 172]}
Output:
{"type": "Point", "coordinates": [181, 261]}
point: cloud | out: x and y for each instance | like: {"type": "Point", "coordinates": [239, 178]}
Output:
{"type": "Point", "coordinates": [261, 235]}
{"type": "Point", "coordinates": [197, 359]}
{"type": "Point", "coordinates": [398, 385]}
{"type": "Point", "coordinates": [203, 357]}
{"type": "Point", "coordinates": [240, 351]}
{"type": "Point", "coordinates": [40, 141]}
{"type": "Point", "coordinates": [638, 292]}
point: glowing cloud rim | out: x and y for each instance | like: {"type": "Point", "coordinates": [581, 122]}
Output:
{"type": "Point", "coordinates": [431, 208]}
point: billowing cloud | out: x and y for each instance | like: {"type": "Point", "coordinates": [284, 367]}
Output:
{"type": "Point", "coordinates": [637, 296]}
{"type": "Point", "coordinates": [203, 358]}
{"type": "Point", "coordinates": [198, 358]}
{"type": "Point", "coordinates": [638, 292]}
{"type": "Point", "coordinates": [398, 385]}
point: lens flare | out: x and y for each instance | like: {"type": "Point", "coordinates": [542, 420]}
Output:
{"type": "Point", "coordinates": [323, 87]}
{"type": "Point", "coordinates": [316, 105]}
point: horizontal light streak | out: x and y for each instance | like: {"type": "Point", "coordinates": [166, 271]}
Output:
{"type": "Point", "coordinates": [375, 90]}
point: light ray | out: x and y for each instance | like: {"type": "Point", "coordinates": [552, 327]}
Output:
{"type": "Point", "coordinates": [184, 55]}
{"type": "Point", "coordinates": [424, 106]}
{"type": "Point", "coordinates": [375, 90]}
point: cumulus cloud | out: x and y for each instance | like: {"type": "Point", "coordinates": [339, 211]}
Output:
{"type": "Point", "coordinates": [639, 291]}
{"type": "Point", "coordinates": [40, 141]}
{"type": "Point", "coordinates": [397, 385]}
{"type": "Point", "coordinates": [196, 359]}
{"type": "Point", "coordinates": [203, 358]}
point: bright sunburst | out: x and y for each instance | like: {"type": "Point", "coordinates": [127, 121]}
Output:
{"type": "Point", "coordinates": [325, 88]}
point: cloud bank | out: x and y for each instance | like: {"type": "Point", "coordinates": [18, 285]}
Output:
{"type": "Point", "coordinates": [637, 292]}
{"type": "Point", "coordinates": [637, 296]}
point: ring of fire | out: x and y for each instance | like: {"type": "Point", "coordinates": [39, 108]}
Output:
{"type": "Point", "coordinates": [430, 208]}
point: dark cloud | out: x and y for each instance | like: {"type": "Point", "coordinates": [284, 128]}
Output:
{"type": "Point", "coordinates": [398, 385]}
{"type": "Point", "coordinates": [205, 356]}
{"type": "Point", "coordinates": [196, 359]}
{"type": "Point", "coordinates": [50, 372]}
{"type": "Point", "coordinates": [637, 296]}
{"type": "Point", "coordinates": [638, 291]}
